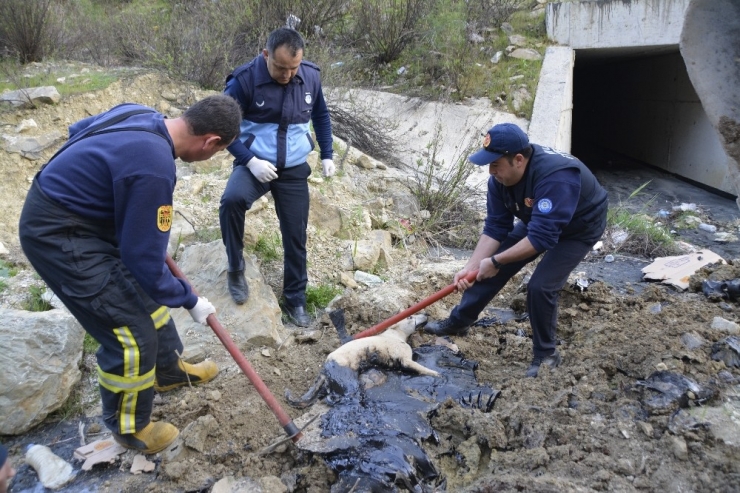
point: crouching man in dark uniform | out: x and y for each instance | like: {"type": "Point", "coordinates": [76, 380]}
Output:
{"type": "Point", "coordinates": [562, 209]}
{"type": "Point", "coordinates": [95, 226]}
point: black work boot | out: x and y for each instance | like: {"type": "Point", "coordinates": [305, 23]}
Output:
{"type": "Point", "coordinates": [297, 315]}
{"type": "Point", "coordinates": [447, 327]}
{"type": "Point", "coordinates": [553, 361]}
{"type": "Point", "coordinates": [238, 288]}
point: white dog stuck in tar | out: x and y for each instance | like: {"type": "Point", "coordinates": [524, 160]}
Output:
{"type": "Point", "coordinates": [388, 349]}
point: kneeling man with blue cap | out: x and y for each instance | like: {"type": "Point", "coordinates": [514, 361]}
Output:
{"type": "Point", "coordinates": [562, 210]}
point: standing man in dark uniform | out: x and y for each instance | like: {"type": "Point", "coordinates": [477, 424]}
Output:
{"type": "Point", "coordinates": [279, 94]}
{"type": "Point", "coordinates": [95, 226]}
{"type": "Point", "coordinates": [562, 211]}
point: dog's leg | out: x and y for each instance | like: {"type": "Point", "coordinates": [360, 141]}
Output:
{"type": "Point", "coordinates": [317, 391]}
{"type": "Point", "coordinates": [410, 364]}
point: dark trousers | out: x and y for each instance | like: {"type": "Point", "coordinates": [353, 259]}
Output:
{"type": "Point", "coordinates": [543, 289]}
{"type": "Point", "coordinates": [290, 192]}
{"type": "Point", "coordinates": [78, 260]}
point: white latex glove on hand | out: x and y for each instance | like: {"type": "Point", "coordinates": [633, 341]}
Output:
{"type": "Point", "coordinates": [263, 170]}
{"type": "Point", "coordinates": [201, 310]}
{"type": "Point", "coordinates": [329, 168]}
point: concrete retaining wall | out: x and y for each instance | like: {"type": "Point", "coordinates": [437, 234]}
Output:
{"type": "Point", "coordinates": [553, 104]}
{"type": "Point", "coordinates": [616, 24]}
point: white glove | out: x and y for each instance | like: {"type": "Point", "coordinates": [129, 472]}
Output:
{"type": "Point", "coordinates": [263, 170]}
{"type": "Point", "coordinates": [329, 168]}
{"type": "Point", "coordinates": [201, 310]}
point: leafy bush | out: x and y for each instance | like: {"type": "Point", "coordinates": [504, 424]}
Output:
{"type": "Point", "coordinates": [318, 297]}
{"type": "Point", "coordinates": [635, 232]}
{"type": "Point", "coordinates": [34, 300]}
{"type": "Point", "coordinates": [383, 28]}
{"type": "Point", "coordinates": [30, 29]}
{"type": "Point", "coordinates": [269, 247]}
{"type": "Point", "coordinates": [443, 192]}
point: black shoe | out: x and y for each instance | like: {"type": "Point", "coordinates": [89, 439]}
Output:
{"type": "Point", "coordinates": [446, 327]}
{"type": "Point", "coordinates": [553, 361]}
{"type": "Point", "coordinates": [297, 315]}
{"type": "Point", "coordinates": [238, 287]}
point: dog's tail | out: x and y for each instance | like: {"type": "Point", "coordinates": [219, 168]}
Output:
{"type": "Point", "coordinates": [317, 391]}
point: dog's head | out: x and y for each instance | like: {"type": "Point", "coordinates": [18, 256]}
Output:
{"type": "Point", "coordinates": [410, 324]}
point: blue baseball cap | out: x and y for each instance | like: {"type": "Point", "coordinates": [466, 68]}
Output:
{"type": "Point", "coordinates": [3, 455]}
{"type": "Point", "coordinates": [502, 139]}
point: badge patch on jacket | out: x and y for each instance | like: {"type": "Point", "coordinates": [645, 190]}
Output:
{"type": "Point", "coordinates": [308, 98]}
{"type": "Point", "coordinates": [544, 206]}
{"type": "Point", "coordinates": [529, 202]}
{"type": "Point", "coordinates": [164, 218]}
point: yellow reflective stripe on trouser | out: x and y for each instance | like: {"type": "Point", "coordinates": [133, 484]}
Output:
{"type": "Point", "coordinates": [130, 383]}
{"type": "Point", "coordinates": [160, 317]}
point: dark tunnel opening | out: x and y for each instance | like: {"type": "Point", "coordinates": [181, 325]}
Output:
{"type": "Point", "coordinates": [638, 108]}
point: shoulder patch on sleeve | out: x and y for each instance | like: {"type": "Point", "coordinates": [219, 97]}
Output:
{"type": "Point", "coordinates": [544, 206]}
{"type": "Point", "coordinates": [164, 218]}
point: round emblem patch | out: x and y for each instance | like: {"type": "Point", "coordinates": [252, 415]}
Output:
{"type": "Point", "coordinates": [164, 218]}
{"type": "Point", "coordinates": [544, 206]}
{"type": "Point", "coordinates": [308, 99]}
{"type": "Point", "coordinates": [487, 140]}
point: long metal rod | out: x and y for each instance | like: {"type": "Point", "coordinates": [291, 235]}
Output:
{"type": "Point", "coordinates": [285, 421]}
{"type": "Point", "coordinates": [376, 329]}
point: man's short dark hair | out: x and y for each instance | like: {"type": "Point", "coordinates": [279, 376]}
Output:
{"type": "Point", "coordinates": [526, 152]}
{"type": "Point", "coordinates": [285, 36]}
{"type": "Point", "coordinates": [218, 114]}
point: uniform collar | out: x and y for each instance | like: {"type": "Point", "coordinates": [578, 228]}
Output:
{"type": "Point", "coordinates": [263, 75]}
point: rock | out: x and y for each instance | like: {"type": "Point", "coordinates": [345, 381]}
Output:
{"type": "Point", "coordinates": [140, 464]}
{"type": "Point", "coordinates": [258, 321]}
{"type": "Point", "coordinates": [367, 279]}
{"type": "Point", "coordinates": [497, 57]}
{"type": "Point", "coordinates": [679, 448]}
{"type": "Point", "coordinates": [31, 147]}
{"type": "Point", "coordinates": [347, 281]}
{"type": "Point", "coordinates": [722, 325]}
{"type": "Point", "coordinates": [40, 354]}
{"type": "Point", "coordinates": [525, 54]}
{"type": "Point", "coordinates": [32, 96]}
{"type": "Point", "coordinates": [323, 214]}
{"type": "Point", "coordinates": [195, 434]}
{"type": "Point", "coordinates": [366, 162]}
{"type": "Point", "coordinates": [518, 40]}
{"type": "Point", "coordinates": [365, 254]}
{"type": "Point", "coordinates": [25, 126]}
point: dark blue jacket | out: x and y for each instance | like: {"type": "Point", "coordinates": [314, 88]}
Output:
{"type": "Point", "coordinates": [557, 198]}
{"type": "Point", "coordinates": [275, 125]}
{"type": "Point", "coordinates": [123, 179]}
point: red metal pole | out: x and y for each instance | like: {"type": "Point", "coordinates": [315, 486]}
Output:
{"type": "Point", "coordinates": [290, 428]}
{"type": "Point", "coordinates": [376, 329]}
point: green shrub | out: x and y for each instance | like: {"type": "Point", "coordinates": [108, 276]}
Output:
{"type": "Point", "coordinates": [318, 297]}
{"type": "Point", "coordinates": [442, 190]}
{"type": "Point", "coordinates": [34, 301]}
{"type": "Point", "coordinates": [384, 28]}
{"type": "Point", "coordinates": [89, 345]}
{"type": "Point", "coordinates": [268, 247]}
{"type": "Point", "coordinates": [30, 29]}
{"type": "Point", "coordinates": [633, 231]}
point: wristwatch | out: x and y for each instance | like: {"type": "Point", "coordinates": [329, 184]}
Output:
{"type": "Point", "coordinates": [496, 263]}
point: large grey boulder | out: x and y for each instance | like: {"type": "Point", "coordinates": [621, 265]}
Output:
{"type": "Point", "coordinates": [258, 321]}
{"type": "Point", "coordinates": [40, 353]}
